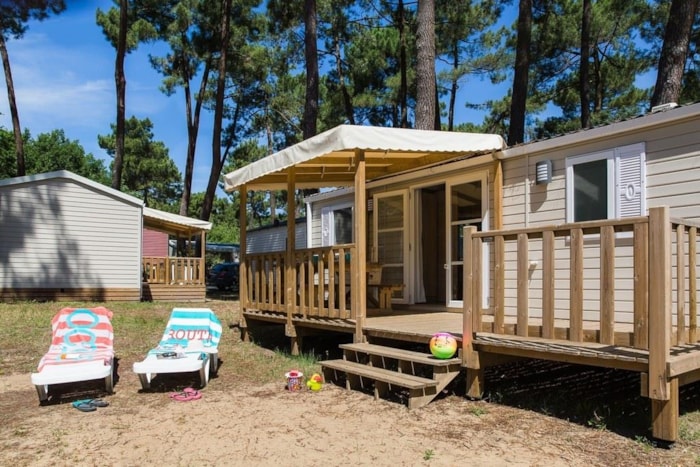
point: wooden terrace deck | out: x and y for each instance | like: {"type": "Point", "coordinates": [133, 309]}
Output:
{"type": "Point", "coordinates": [617, 293]}
{"type": "Point", "coordinates": [416, 325]}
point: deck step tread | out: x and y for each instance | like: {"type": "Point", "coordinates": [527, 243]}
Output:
{"type": "Point", "coordinates": [380, 374]}
{"type": "Point", "coordinates": [400, 354]}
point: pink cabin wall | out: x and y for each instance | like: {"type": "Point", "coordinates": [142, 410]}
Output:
{"type": "Point", "coordinates": [155, 243]}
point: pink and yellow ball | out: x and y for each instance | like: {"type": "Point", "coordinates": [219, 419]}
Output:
{"type": "Point", "coordinates": [443, 345]}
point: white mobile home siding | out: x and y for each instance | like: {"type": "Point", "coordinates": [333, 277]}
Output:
{"type": "Point", "coordinates": [274, 238]}
{"type": "Point", "coordinates": [672, 177]}
{"type": "Point", "coordinates": [61, 234]}
{"type": "Point", "coordinates": [316, 209]}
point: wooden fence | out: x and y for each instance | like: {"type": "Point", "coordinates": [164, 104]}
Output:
{"type": "Point", "coordinates": [319, 281]}
{"type": "Point", "coordinates": [641, 272]}
{"type": "Point", "coordinates": [173, 270]}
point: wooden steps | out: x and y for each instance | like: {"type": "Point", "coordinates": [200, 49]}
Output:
{"type": "Point", "coordinates": [383, 369]}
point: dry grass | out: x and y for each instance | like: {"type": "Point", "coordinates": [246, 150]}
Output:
{"type": "Point", "coordinates": [25, 334]}
{"type": "Point", "coordinates": [604, 401]}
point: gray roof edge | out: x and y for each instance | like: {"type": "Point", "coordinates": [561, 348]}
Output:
{"type": "Point", "coordinates": [607, 131]}
{"type": "Point", "coordinates": [68, 175]}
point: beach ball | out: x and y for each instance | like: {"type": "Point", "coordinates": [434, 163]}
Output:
{"type": "Point", "coordinates": [443, 345]}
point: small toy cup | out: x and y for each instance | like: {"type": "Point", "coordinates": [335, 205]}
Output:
{"type": "Point", "coordinates": [294, 380]}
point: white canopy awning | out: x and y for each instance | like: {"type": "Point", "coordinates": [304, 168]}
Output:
{"type": "Point", "coordinates": [167, 221]}
{"type": "Point", "coordinates": [328, 159]}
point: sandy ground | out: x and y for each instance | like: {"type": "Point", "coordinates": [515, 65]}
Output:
{"type": "Point", "coordinates": [268, 425]}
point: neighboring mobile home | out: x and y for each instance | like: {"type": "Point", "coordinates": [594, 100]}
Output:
{"type": "Point", "coordinates": [65, 237]}
{"type": "Point", "coordinates": [581, 248]}
{"type": "Point", "coordinates": [274, 237]}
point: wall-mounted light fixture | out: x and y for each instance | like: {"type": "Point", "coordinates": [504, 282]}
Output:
{"type": "Point", "coordinates": [543, 172]}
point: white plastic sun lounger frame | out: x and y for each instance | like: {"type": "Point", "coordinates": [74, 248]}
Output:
{"type": "Point", "coordinates": [196, 361]}
{"type": "Point", "coordinates": [71, 373]}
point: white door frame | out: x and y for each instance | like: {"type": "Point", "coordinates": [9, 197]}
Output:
{"type": "Point", "coordinates": [481, 176]}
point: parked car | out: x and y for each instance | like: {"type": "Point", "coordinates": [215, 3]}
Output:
{"type": "Point", "coordinates": [223, 276]}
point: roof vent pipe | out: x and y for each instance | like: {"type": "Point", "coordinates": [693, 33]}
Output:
{"type": "Point", "coordinates": [664, 107]}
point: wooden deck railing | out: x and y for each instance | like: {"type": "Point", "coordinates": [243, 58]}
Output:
{"type": "Point", "coordinates": [615, 282]}
{"type": "Point", "coordinates": [173, 270]}
{"type": "Point", "coordinates": [321, 279]}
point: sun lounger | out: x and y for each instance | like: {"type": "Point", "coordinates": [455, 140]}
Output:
{"type": "Point", "coordinates": [189, 343]}
{"type": "Point", "coordinates": [81, 350]}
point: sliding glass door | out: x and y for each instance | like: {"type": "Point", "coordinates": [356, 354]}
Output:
{"type": "Point", "coordinates": [391, 238]}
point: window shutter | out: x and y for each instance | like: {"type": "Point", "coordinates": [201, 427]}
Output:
{"type": "Point", "coordinates": [630, 183]}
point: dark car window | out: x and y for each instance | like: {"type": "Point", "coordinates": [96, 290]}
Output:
{"type": "Point", "coordinates": [223, 276]}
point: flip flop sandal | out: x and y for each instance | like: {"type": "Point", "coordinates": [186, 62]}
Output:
{"type": "Point", "coordinates": [84, 406]}
{"type": "Point", "coordinates": [98, 403]}
{"type": "Point", "coordinates": [179, 396]}
{"type": "Point", "coordinates": [187, 394]}
{"type": "Point", "coordinates": [193, 394]}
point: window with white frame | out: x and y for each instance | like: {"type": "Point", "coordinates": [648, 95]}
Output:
{"type": "Point", "coordinates": [336, 225]}
{"type": "Point", "coordinates": [606, 185]}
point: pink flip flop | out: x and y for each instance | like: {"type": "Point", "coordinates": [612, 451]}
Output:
{"type": "Point", "coordinates": [187, 394]}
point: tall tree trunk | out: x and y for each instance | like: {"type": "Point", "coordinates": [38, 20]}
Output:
{"type": "Point", "coordinates": [516, 130]}
{"type": "Point", "coordinates": [437, 126]}
{"type": "Point", "coordinates": [217, 159]}
{"type": "Point", "coordinates": [192, 133]}
{"type": "Point", "coordinates": [16, 128]}
{"type": "Point", "coordinates": [403, 87]}
{"type": "Point", "coordinates": [674, 52]}
{"type": "Point", "coordinates": [425, 65]}
{"type": "Point", "coordinates": [311, 55]}
{"type": "Point", "coordinates": [347, 99]}
{"type": "Point", "coordinates": [584, 66]}
{"type": "Point", "coordinates": [453, 89]}
{"type": "Point", "coordinates": [311, 101]}
{"type": "Point", "coordinates": [599, 85]}
{"type": "Point", "coordinates": [120, 82]}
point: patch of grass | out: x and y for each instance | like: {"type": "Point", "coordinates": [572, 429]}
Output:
{"type": "Point", "coordinates": [646, 444]}
{"type": "Point", "coordinates": [597, 422]}
{"type": "Point", "coordinates": [478, 410]}
{"type": "Point", "coordinates": [688, 430]}
{"type": "Point", "coordinates": [428, 454]}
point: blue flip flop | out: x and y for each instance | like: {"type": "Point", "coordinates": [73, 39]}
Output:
{"type": "Point", "coordinates": [97, 403]}
{"type": "Point", "coordinates": [89, 405]}
{"type": "Point", "coordinates": [84, 406]}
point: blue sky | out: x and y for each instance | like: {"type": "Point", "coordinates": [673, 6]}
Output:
{"type": "Point", "coordinates": [63, 71]}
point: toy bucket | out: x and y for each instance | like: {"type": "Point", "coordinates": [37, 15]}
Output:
{"type": "Point", "coordinates": [294, 380]}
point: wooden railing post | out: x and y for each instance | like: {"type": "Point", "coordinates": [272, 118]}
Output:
{"type": "Point", "coordinates": [523, 268]}
{"type": "Point", "coordinates": [548, 284]}
{"type": "Point", "coordinates": [641, 286]}
{"type": "Point", "coordinates": [499, 275]}
{"type": "Point", "coordinates": [659, 302]}
{"type": "Point", "coordinates": [470, 320]}
{"type": "Point", "coordinates": [607, 285]}
{"type": "Point", "coordinates": [243, 275]}
{"type": "Point", "coordinates": [359, 265]}
{"type": "Point", "coordinates": [168, 272]}
{"type": "Point", "coordinates": [576, 286]}
{"type": "Point", "coordinates": [468, 299]}
{"type": "Point", "coordinates": [692, 285]}
{"type": "Point", "coordinates": [680, 284]}
{"type": "Point", "coordinates": [663, 391]}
